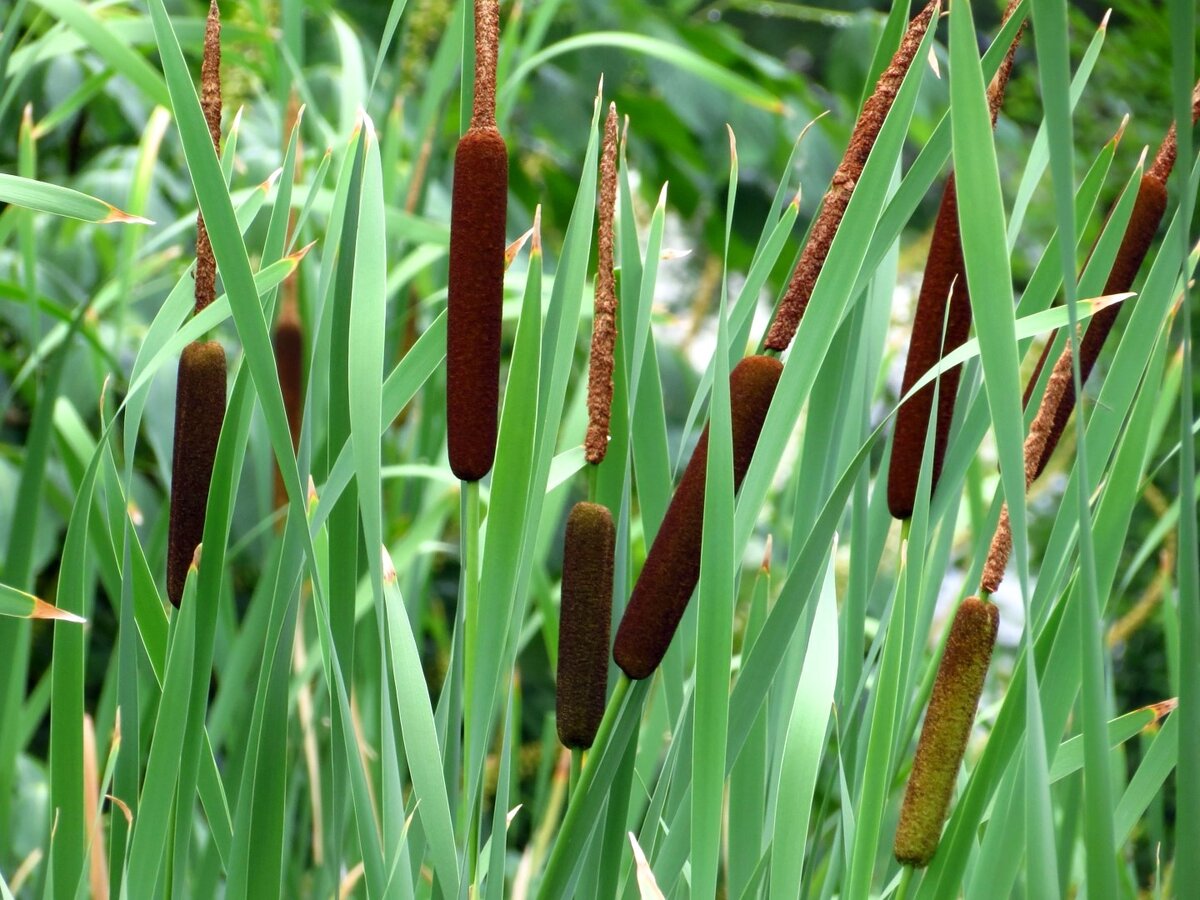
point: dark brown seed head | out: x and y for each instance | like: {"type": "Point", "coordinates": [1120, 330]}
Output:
{"type": "Point", "coordinates": [604, 323]}
{"type": "Point", "coordinates": [475, 303]}
{"type": "Point", "coordinates": [199, 411]}
{"type": "Point", "coordinates": [948, 722]}
{"type": "Point", "coordinates": [584, 621]}
{"type": "Point", "coordinates": [673, 565]}
{"type": "Point", "coordinates": [210, 102]}
{"type": "Point", "coordinates": [289, 361]}
{"type": "Point", "coordinates": [837, 198]}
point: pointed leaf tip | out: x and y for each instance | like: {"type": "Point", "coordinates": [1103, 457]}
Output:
{"type": "Point", "coordinates": [44, 610]}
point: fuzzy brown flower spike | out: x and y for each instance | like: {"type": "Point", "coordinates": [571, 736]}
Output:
{"type": "Point", "coordinates": [1149, 206]}
{"type": "Point", "coordinates": [199, 411]}
{"type": "Point", "coordinates": [945, 283]}
{"type": "Point", "coordinates": [200, 386]}
{"type": "Point", "coordinates": [478, 209]}
{"type": "Point", "coordinates": [1038, 445]}
{"type": "Point", "coordinates": [289, 337]}
{"type": "Point", "coordinates": [948, 721]}
{"type": "Point", "coordinates": [833, 207]}
{"type": "Point", "coordinates": [673, 565]}
{"type": "Point", "coordinates": [585, 617]}
{"type": "Point", "coordinates": [604, 323]}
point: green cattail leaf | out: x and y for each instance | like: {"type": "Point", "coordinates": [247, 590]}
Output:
{"type": "Point", "coordinates": [61, 201]}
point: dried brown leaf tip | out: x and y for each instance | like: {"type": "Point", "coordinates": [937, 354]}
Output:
{"type": "Point", "coordinates": [210, 102]}
{"type": "Point", "coordinates": [478, 209]}
{"type": "Point", "coordinates": [584, 622]}
{"type": "Point", "coordinates": [672, 567]}
{"type": "Point", "coordinates": [944, 299]}
{"type": "Point", "coordinates": [837, 198]}
{"type": "Point", "coordinates": [948, 721]}
{"type": "Point", "coordinates": [199, 412]}
{"type": "Point", "coordinates": [604, 324]}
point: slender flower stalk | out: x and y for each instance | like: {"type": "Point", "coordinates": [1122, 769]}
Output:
{"type": "Point", "coordinates": [478, 210]}
{"type": "Point", "coordinates": [837, 198]}
{"type": "Point", "coordinates": [584, 621]}
{"type": "Point", "coordinates": [604, 322]}
{"type": "Point", "coordinates": [672, 567]}
{"type": "Point", "coordinates": [944, 298]}
{"type": "Point", "coordinates": [200, 386]}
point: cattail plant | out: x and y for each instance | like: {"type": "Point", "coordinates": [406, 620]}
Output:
{"type": "Point", "coordinates": [837, 198]}
{"type": "Point", "coordinates": [584, 622]}
{"type": "Point", "coordinates": [673, 565]}
{"type": "Point", "coordinates": [944, 299]}
{"type": "Point", "coordinates": [476, 284]}
{"type": "Point", "coordinates": [289, 337]}
{"type": "Point", "coordinates": [960, 676]}
{"type": "Point", "coordinates": [1149, 206]}
{"type": "Point", "coordinates": [200, 390]}
{"type": "Point", "coordinates": [586, 612]}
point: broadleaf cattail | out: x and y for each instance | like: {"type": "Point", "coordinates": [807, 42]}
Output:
{"type": "Point", "coordinates": [604, 321]}
{"type": "Point", "coordinates": [1149, 207]}
{"type": "Point", "coordinates": [199, 412]}
{"type": "Point", "coordinates": [673, 565]}
{"type": "Point", "coordinates": [584, 622]}
{"type": "Point", "coordinates": [944, 285]}
{"type": "Point", "coordinates": [948, 721]}
{"type": "Point", "coordinates": [837, 198]}
{"type": "Point", "coordinates": [200, 386]}
{"type": "Point", "coordinates": [479, 206]}
{"type": "Point", "coordinates": [1043, 436]}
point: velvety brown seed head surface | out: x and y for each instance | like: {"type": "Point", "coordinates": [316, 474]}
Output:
{"type": "Point", "coordinates": [475, 303]}
{"type": "Point", "coordinates": [673, 565]}
{"type": "Point", "coordinates": [584, 622]}
{"type": "Point", "coordinates": [604, 323]}
{"type": "Point", "coordinates": [199, 411]}
{"type": "Point", "coordinates": [210, 102]}
{"type": "Point", "coordinates": [1149, 206]}
{"type": "Point", "coordinates": [947, 727]}
{"type": "Point", "coordinates": [487, 51]}
{"type": "Point", "coordinates": [289, 361]}
{"type": "Point", "coordinates": [833, 206]}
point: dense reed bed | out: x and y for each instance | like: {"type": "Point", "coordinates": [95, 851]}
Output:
{"type": "Point", "coordinates": [521, 519]}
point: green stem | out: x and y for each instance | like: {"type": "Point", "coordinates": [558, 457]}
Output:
{"type": "Point", "coordinates": [470, 555]}
{"type": "Point", "coordinates": [906, 874]}
{"type": "Point", "coordinates": [560, 855]}
{"type": "Point", "coordinates": [576, 768]}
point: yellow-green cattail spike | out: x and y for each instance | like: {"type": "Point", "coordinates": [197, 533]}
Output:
{"type": "Point", "coordinates": [948, 722]}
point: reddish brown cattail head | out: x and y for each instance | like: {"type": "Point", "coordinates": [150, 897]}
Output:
{"type": "Point", "coordinates": [584, 622]}
{"type": "Point", "coordinates": [948, 722]}
{"type": "Point", "coordinates": [604, 323]}
{"type": "Point", "coordinates": [199, 411]}
{"type": "Point", "coordinates": [210, 102]}
{"type": "Point", "coordinates": [289, 361]}
{"type": "Point", "coordinates": [944, 284]}
{"type": "Point", "coordinates": [475, 303]}
{"type": "Point", "coordinates": [673, 565]}
{"type": "Point", "coordinates": [837, 198]}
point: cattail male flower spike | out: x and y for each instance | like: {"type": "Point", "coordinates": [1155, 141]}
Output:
{"type": "Point", "coordinates": [948, 721]}
{"type": "Point", "coordinates": [673, 565]}
{"type": "Point", "coordinates": [479, 206]}
{"type": "Point", "coordinates": [604, 322]}
{"type": "Point", "coordinates": [584, 621]}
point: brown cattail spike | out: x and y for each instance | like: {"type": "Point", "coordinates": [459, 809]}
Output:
{"type": "Point", "coordinates": [1039, 443]}
{"type": "Point", "coordinates": [584, 621]}
{"type": "Point", "coordinates": [478, 208]}
{"type": "Point", "coordinates": [948, 722]}
{"type": "Point", "coordinates": [604, 324]}
{"type": "Point", "coordinates": [945, 283]}
{"type": "Point", "coordinates": [833, 207]}
{"type": "Point", "coordinates": [289, 361]}
{"type": "Point", "coordinates": [673, 565]}
{"type": "Point", "coordinates": [199, 411]}
{"type": "Point", "coordinates": [210, 102]}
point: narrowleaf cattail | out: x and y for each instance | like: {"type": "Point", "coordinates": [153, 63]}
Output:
{"type": "Point", "coordinates": [833, 207]}
{"type": "Point", "coordinates": [199, 411]}
{"type": "Point", "coordinates": [210, 102]}
{"type": "Point", "coordinates": [479, 205]}
{"type": "Point", "coordinates": [673, 565]}
{"type": "Point", "coordinates": [1043, 436]}
{"type": "Point", "coordinates": [604, 322]}
{"type": "Point", "coordinates": [948, 722]}
{"type": "Point", "coordinates": [944, 284]}
{"type": "Point", "coordinates": [584, 621]}
{"type": "Point", "coordinates": [289, 361]}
